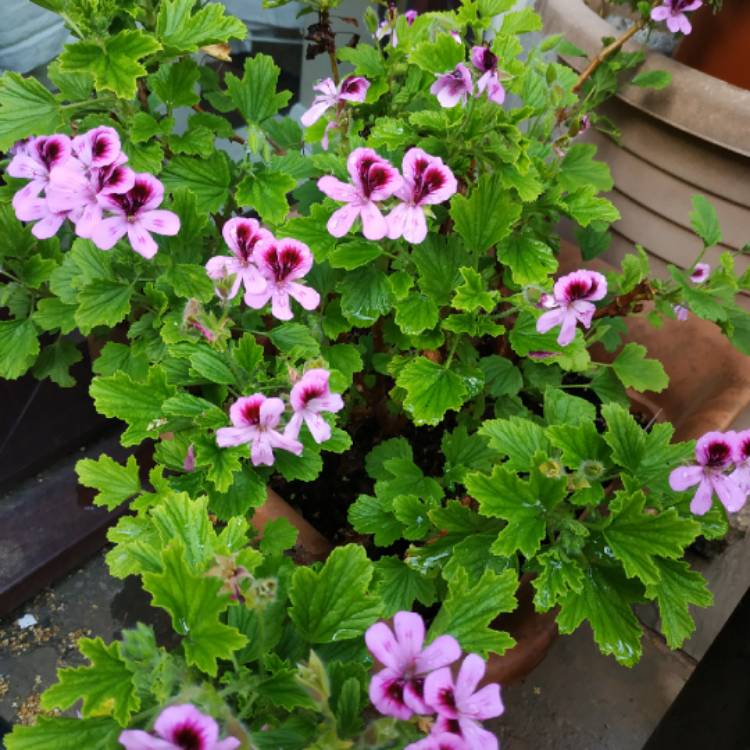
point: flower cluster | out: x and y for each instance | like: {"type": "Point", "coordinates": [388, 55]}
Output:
{"type": "Point", "coordinates": [267, 268]}
{"type": "Point", "coordinates": [673, 12]}
{"type": "Point", "coordinates": [82, 179]}
{"type": "Point", "coordinates": [723, 467]}
{"type": "Point", "coordinates": [426, 181]}
{"type": "Point", "coordinates": [181, 727]}
{"type": "Point", "coordinates": [256, 418]}
{"type": "Point", "coordinates": [350, 89]}
{"type": "Point", "coordinates": [387, 27]}
{"type": "Point", "coordinates": [457, 85]}
{"type": "Point", "coordinates": [417, 680]}
{"type": "Point", "coordinates": [571, 303]}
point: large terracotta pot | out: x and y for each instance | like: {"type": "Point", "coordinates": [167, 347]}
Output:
{"type": "Point", "coordinates": [688, 138]}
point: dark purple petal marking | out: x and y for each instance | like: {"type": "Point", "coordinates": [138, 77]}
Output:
{"type": "Point", "coordinates": [134, 200]}
{"type": "Point", "coordinates": [251, 411]}
{"type": "Point", "coordinates": [188, 737]}
{"type": "Point", "coordinates": [283, 261]}
{"type": "Point", "coordinates": [718, 454]}
{"type": "Point", "coordinates": [246, 242]}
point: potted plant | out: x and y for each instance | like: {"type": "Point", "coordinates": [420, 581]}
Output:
{"type": "Point", "coordinates": [664, 144]}
{"type": "Point", "coordinates": [387, 341]}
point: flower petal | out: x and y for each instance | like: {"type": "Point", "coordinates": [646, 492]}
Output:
{"type": "Point", "coordinates": [484, 704]}
{"type": "Point", "coordinates": [476, 736]}
{"type": "Point", "coordinates": [230, 437]}
{"type": "Point", "coordinates": [685, 476]}
{"type": "Point", "coordinates": [286, 443]}
{"type": "Point", "coordinates": [270, 412]}
{"type": "Point", "coordinates": [415, 226]}
{"type": "Point", "coordinates": [336, 189]}
{"type": "Point", "coordinates": [305, 295]}
{"type": "Point", "coordinates": [316, 111]}
{"type": "Point", "coordinates": [439, 692]}
{"type": "Point", "coordinates": [161, 222]}
{"type": "Point", "coordinates": [136, 739]}
{"type": "Point", "coordinates": [701, 502]}
{"type": "Point", "coordinates": [319, 428]}
{"type": "Point", "coordinates": [374, 226]}
{"type": "Point", "coordinates": [730, 492]}
{"type": "Point", "coordinates": [386, 694]}
{"type": "Point", "coordinates": [342, 219]}
{"type": "Point", "coordinates": [382, 644]}
{"type": "Point", "coordinates": [141, 241]}
{"type": "Point", "coordinates": [175, 718]}
{"type": "Point", "coordinates": [469, 676]}
{"type": "Point", "coordinates": [444, 650]}
{"type": "Point", "coordinates": [109, 231]}
{"type": "Point", "coordinates": [549, 320]}
{"type": "Point", "coordinates": [409, 629]}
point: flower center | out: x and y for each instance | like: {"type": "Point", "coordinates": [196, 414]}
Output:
{"type": "Point", "coordinates": [448, 699]}
{"type": "Point", "coordinates": [246, 241]}
{"type": "Point", "coordinates": [188, 738]}
{"type": "Point", "coordinates": [283, 262]}
{"type": "Point", "coordinates": [718, 455]}
{"type": "Point", "coordinates": [134, 200]}
{"type": "Point", "coordinates": [395, 691]}
{"type": "Point", "coordinates": [101, 147]}
{"type": "Point", "coordinates": [489, 60]}
{"type": "Point", "coordinates": [49, 151]}
{"type": "Point", "coordinates": [372, 175]}
{"type": "Point", "coordinates": [310, 392]}
{"type": "Point", "coordinates": [427, 180]}
{"type": "Point", "coordinates": [251, 412]}
{"type": "Point", "coordinates": [580, 289]}
{"type": "Point", "coordinates": [745, 449]}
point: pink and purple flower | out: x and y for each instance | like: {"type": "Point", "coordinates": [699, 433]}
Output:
{"type": "Point", "coordinates": [309, 397]}
{"type": "Point", "coordinates": [460, 706]}
{"type": "Point", "coordinates": [673, 12]}
{"type": "Point", "coordinates": [442, 741]}
{"type": "Point", "coordinates": [181, 727]}
{"type": "Point", "coordinates": [741, 473]}
{"type": "Point", "coordinates": [281, 263]}
{"type": "Point", "coordinates": [453, 87]}
{"type": "Point", "coordinates": [571, 303]}
{"type": "Point", "coordinates": [714, 452]}
{"type": "Point", "coordinates": [373, 179]}
{"type": "Point", "coordinates": [426, 180]}
{"type": "Point", "coordinates": [97, 148]}
{"type": "Point", "coordinates": [397, 690]}
{"type": "Point", "coordinates": [485, 61]}
{"type": "Point", "coordinates": [351, 89]}
{"type": "Point", "coordinates": [254, 422]}
{"type": "Point", "coordinates": [700, 273]}
{"type": "Point", "coordinates": [137, 214]}
{"type": "Point", "coordinates": [242, 237]}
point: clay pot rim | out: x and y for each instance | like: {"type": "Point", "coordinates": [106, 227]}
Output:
{"type": "Point", "coordinates": [690, 93]}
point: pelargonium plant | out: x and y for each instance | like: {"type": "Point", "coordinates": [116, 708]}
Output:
{"type": "Point", "coordinates": [367, 311]}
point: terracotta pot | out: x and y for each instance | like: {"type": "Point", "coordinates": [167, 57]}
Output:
{"type": "Point", "coordinates": [534, 632]}
{"type": "Point", "coordinates": [709, 380]}
{"type": "Point", "coordinates": [718, 44]}
{"type": "Point", "coordinates": [688, 138]}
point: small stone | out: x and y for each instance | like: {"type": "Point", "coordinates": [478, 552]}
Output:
{"type": "Point", "coordinates": [27, 621]}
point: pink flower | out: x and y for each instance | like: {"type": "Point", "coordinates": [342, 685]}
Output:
{"type": "Point", "coordinates": [255, 419]}
{"type": "Point", "coordinates": [397, 689]}
{"type": "Point", "coordinates": [242, 236]}
{"type": "Point", "coordinates": [75, 188]}
{"type": "Point", "coordinates": [460, 706]}
{"type": "Point", "coordinates": [485, 61]}
{"type": "Point", "coordinates": [136, 215]}
{"type": "Point", "coordinates": [309, 397]}
{"type": "Point", "coordinates": [427, 180]}
{"type": "Point", "coordinates": [33, 161]}
{"type": "Point", "coordinates": [572, 298]}
{"type": "Point", "coordinates": [411, 16]}
{"type": "Point", "coordinates": [442, 741]}
{"type": "Point", "coordinates": [181, 727]}
{"type": "Point", "coordinates": [281, 262]}
{"type": "Point", "coordinates": [741, 473]}
{"type": "Point", "coordinates": [97, 148]}
{"type": "Point", "coordinates": [681, 312]}
{"type": "Point", "coordinates": [673, 12]}
{"type": "Point", "coordinates": [714, 453]}
{"type": "Point", "coordinates": [189, 463]}
{"type": "Point", "coordinates": [700, 273]}
{"type": "Point", "coordinates": [373, 179]}
{"type": "Point", "coordinates": [453, 87]}
{"type": "Point", "coordinates": [37, 209]}
{"type": "Point", "coordinates": [350, 89]}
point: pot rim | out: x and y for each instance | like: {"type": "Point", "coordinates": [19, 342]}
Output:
{"type": "Point", "coordinates": [696, 103]}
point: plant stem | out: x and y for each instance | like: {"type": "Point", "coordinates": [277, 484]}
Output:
{"type": "Point", "coordinates": [454, 345]}
{"type": "Point", "coordinates": [607, 52]}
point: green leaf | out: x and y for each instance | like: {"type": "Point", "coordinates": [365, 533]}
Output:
{"type": "Point", "coordinates": [295, 340]}
{"type": "Point", "coordinates": [705, 222]}
{"type": "Point", "coordinates": [115, 483]}
{"type": "Point", "coordinates": [105, 686]}
{"type": "Point", "coordinates": [312, 231]}
{"type": "Point", "coordinates": [471, 294]}
{"type": "Point", "coordinates": [431, 390]}
{"type": "Point", "coordinates": [399, 585]}
{"type": "Point", "coordinates": [406, 478]}
{"type": "Point", "coordinates": [373, 515]}
{"type": "Point", "coordinates": [677, 588]}
{"type": "Point", "coordinates": [61, 733]}
{"type": "Point", "coordinates": [351, 255]}
{"type": "Point", "coordinates": [136, 402]}
{"type": "Point", "coordinates": [333, 604]}
{"type": "Point", "coordinates": [438, 260]}
{"type": "Point", "coordinates": [416, 313]}
{"type": "Point", "coordinates": [652, 79]}
{"type": "Point", "coordinates": [222, 463]}
{"type": "Point", "coordinates": [113, 62]}
{"type": "Point", "coordinates": [524, 338]}
{"type": "Point", "coordinates": [559, 575]}
{"type": "Point", "coordinates": [578, 442]}
{"type": "Point", "coordinates": [266, 193]}
{"type": "Point", "coordinates": [501, 376]}
{"type": "Point", "coordinates": [19, 347]}
{"type": "Point", "coordinates": [521, 22]}
{"type": "Point", "coordinates": [55, 361]}
{"type": "Point", "coordinates": [562, 408]}
{"type": "Point", "coordinates": [190, 281]}
{"type": "Point", "coordinates": [26, 108]}
{"type": "Point", "coordinates": [530, 261]}
{"type": "Point", "coordinates": [180, 30]}
{"type": "Point", "coordinates": [464, 452]}
{"type": "Point", "coordinates": [579, 169]}
{"type": "Point", "coordinates": [468, 611]}
{"type": "Point", "coordinates": [638, 372]}
{"type": "Point", "coordinates": [604, 602]}
{"type": "Point", "coordinates": [207, 178]}
{"type": "Point", "coordinates": [626, 439]}
{"type": "Point", "coordinates": [504, 495]}
{"type": "Point", "coordinates": [255, 93]}
{"type": "Point", "coordinates": [102, 302]}
{"type": "Point", "coordinates": [519, 439]}
{"type": "Point", "coordinates": [439, 56]}
{"type": "Point", "coordinates": [195, 606]}
{"type": "Point", "coordinates": [365, 295]}
{"type": "Point", "coordinates": [486, 216]}
{"type": "Point", "coordinates": [585, 207]}
{"type": "Point", "coordinates": [115, 357]}
{"type": "Point", "coordinates": [637, 538]}
{"type": "Point", "coordinates": [247, 490]}
{"type": "Point", "coordinates": [367, 60]}
{"type": "Point", "coordinates": [175, 83]}
{"type": "Point", "coordinates": [412, 512]}
{"type": "Point", "coordinates": [375, 462]}
{"type": "Point", "coordinates": [212, 366]}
